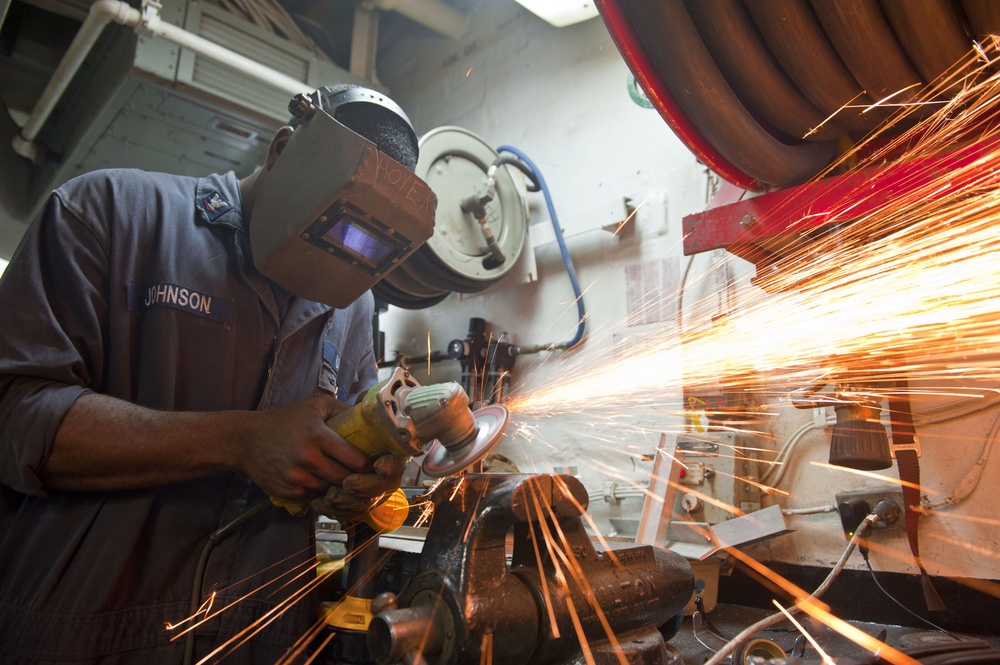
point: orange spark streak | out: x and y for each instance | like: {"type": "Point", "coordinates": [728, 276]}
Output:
{"type": "Point", "coordinates": [858, 636]}
{"type": "Point", "coordinates": [767, 489]}
{"type": "Point", "coordinates": [789, 587]}
{"type": "Point", "coordinates": [630, 216]}
{"type": "Point", "coordinates": [486, 650]}
{"type": "Point", "coordinates": [247, 633]}
{"type": "Point", "coordinates": [958, 516]}
{"type": "Point", "coordinates": [309, 565]}
{"type": "Point", "coordinates": [319, 650]}
{"type": "Point", "coordinates": [575, 570]}
{"type": "Point", "coordinates": [812, 640]}
{"type": "Point", "coordinates": [687, 489]}
{"type": "Point", "coordinates": [468, 527]}
{"type": "Point", "coordinates": [584, 645]}
{"type": "Point", "coordinates": [875, 476]}
{"type": "Point", "coordinates": [983, 551]}
{"type": "Point", "coordinates": [426, 511]}
{"type": "Point", "coordinates": [482, 382]}
{"type": "Point", "coordinates": [460, 485]}
{"type": "Point", "coordinates": [564, 490]}
{"type": "Point", "coordinates": [554, 627]}
{"type": "Point", "coordinates": [983, 586]}
{"type": "Point", "coordinates": [205, 609]}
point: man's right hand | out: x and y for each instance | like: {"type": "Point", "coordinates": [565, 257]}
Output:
{"type": "Point", "coordinates": [293, 455]}
{"type": "Point", "coordinates": [107, 444]}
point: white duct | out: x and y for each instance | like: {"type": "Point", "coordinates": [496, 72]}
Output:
{"type": "Point", "coordinates": [435, 14]}
{"type": "Point", "coordinates": [103, 12]}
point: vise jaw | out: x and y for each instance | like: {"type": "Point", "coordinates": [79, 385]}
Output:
{"type": "Point", "coordinates": [554, 599]}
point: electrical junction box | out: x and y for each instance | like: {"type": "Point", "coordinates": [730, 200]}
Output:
{"type": "Point", "coordinates": [855, 504]}
{"type": "Point", "coordinates": [719, 478]}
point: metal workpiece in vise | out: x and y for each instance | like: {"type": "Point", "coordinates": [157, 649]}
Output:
{"type": "Point", "coordinates": [399, 416]}
{"type": "Point", "coordinates": [467, 603]}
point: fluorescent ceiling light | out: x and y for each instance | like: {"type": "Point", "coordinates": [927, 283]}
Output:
{"type": "Point", "coordinates": [561, 12]}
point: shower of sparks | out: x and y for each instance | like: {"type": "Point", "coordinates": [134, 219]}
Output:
{"type": "Point", "coordinates": [909, 290]}
{"type": "Point", "coordinates": [301, 583]}
{"type": "Point", "coordinates": [426, 512]}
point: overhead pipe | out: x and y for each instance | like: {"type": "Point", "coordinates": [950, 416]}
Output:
{"type": "Point", "coordinates": [103, 12]}
{"type": "Point", "coordinates": [434, 14]}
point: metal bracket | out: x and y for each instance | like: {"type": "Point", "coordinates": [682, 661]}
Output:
{"type": "Point", "coordinates": [893, 446]}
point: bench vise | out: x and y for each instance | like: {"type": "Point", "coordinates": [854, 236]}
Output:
{"type": "Point", "coordinates": [556, 597]}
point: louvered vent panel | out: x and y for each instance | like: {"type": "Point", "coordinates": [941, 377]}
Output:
{"type": "Point", "coordinates": [240, 87]}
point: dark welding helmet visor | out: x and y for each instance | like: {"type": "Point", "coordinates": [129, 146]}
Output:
{"type": "Point", "coordinates": [334, 213]}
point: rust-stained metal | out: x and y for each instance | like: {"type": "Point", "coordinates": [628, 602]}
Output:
{"type": "Point", "coordinates": [556, 598]}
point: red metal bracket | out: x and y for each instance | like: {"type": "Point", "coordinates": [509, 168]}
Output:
{"type": "Point", "coordinates": [765, 228]}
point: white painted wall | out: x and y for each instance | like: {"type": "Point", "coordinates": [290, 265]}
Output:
{"type": "Point", "coordinates": [560, 96]}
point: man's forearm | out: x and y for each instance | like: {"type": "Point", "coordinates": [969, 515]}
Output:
{"type": "Point", "coordinates": [106, 443]}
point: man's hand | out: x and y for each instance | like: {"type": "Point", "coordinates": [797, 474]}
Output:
{"type": "Point", "coordinates": [107, 444]}
{"type": "Point", "coordinates": [360, 493]}
{"type": "Point", "coordinates": [293, 455]}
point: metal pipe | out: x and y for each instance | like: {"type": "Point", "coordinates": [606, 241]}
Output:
{"type": "Point", "coordinates": [103, 12]}
{"type": "Point", "coordinates": [434, 14]}
{"type": "Point", "coordinates": [209, 49]}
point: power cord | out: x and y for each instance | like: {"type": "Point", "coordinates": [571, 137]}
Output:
{"type": "Point", "coordinates": [199, 574]}
{"type": "Point", "coordinates": [864, 555]}
{"type": "Point", "coordinates": [883, 509]}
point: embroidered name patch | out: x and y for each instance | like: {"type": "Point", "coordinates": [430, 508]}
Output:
{"type": "Point", "coordinates": [164, 294]}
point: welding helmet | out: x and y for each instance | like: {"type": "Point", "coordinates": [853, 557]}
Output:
{"type": "Point", "coordinates": [340, 206]}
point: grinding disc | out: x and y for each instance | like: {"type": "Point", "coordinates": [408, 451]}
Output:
{"type": "Point", "coordinates": [491, 423]}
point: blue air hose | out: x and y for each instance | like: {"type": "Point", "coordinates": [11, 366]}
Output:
{"type": "Point", "coordinates": [581, 326]}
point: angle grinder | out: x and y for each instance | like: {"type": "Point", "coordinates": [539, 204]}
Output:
{"type": "Point", "coordinates": [401, 417]}
{"type": "Point", "coordinates": [398, 416]}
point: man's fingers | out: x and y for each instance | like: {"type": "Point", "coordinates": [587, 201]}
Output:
{"type": "Point", "coordinates": [332, 406]}
{"type": "Point", "coordinates": [341, 504]}
{"type": "Point", "coordinates": [369, 485]}
{"type": "Point", "coordinates": [336, 448]}
{"type": "Point", "coordinates": [391, 465]}
{"type": "Point", "coordinates": [387, 477]}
